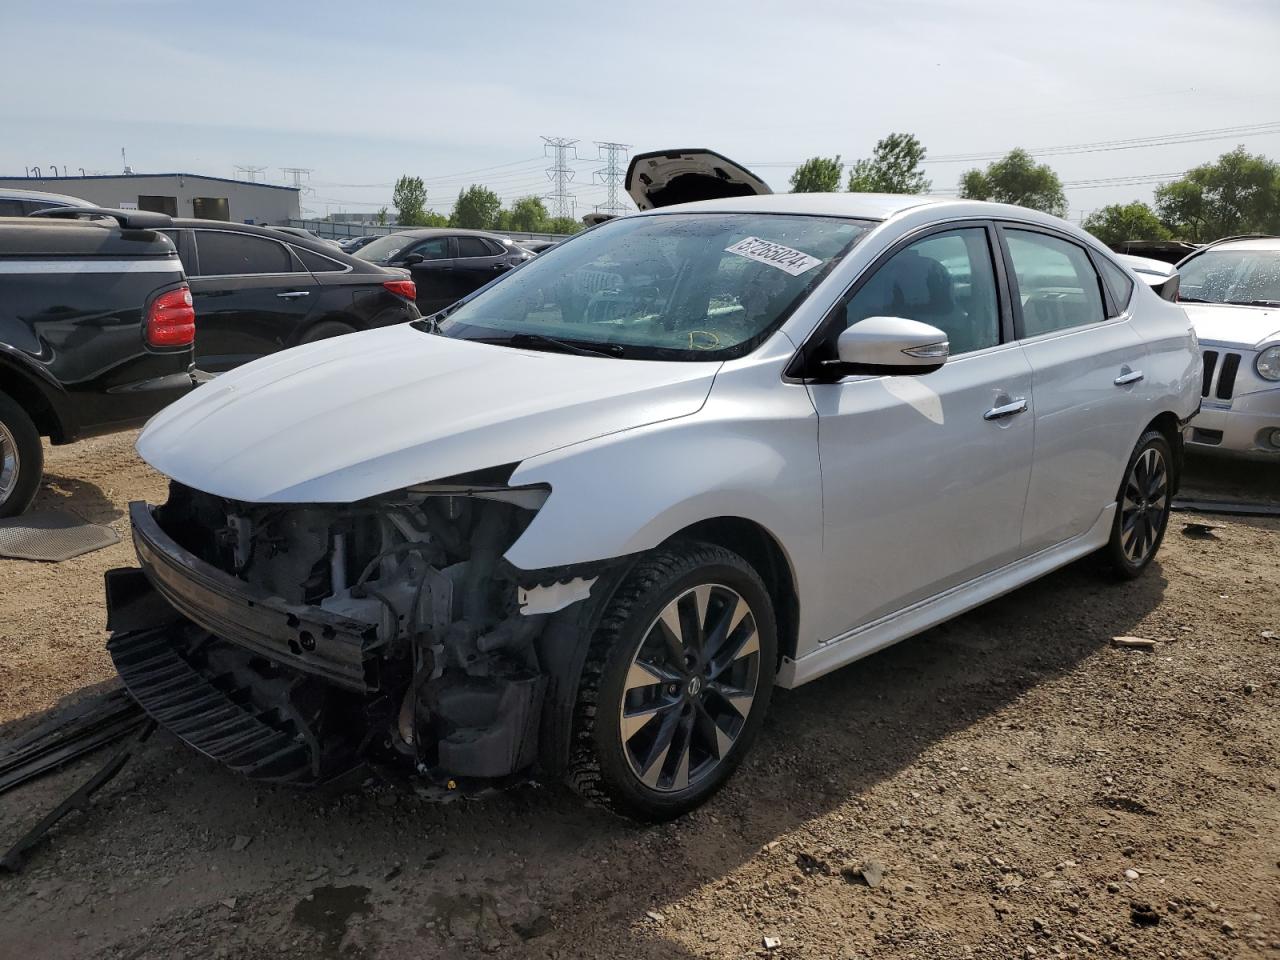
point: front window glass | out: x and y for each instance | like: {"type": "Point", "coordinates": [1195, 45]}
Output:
{"type": "Point", "coordinates": [669, 286]}
{"type": "Point", "coordinates": [1232, 276]}
{"type": "Point", "coordinates": [945, 280]}
{"type": "Point", "coordinates": [434, 249]}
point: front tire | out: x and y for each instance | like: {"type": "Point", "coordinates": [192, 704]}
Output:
{"type": "Point", "coordinates": [676, 683]}
{"type": "Point", "coordinates": [1142, 508]}
{"type": "Point", "coordinates": [21, 458]}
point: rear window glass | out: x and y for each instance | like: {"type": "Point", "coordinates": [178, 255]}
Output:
{"type": "Point", "coordinates": [223, 254]}
{"type": "Point", "coordinates": [473, 247]}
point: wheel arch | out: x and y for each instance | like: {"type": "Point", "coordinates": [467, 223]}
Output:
{"type": "Point", "coordinates": [34, 398]}
{"type": "Point", "coordinates": [1170, 426]}
{"type": "Point", "coordinates": [761, 549]}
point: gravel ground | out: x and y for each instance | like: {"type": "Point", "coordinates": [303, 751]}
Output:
{"type": "Point", "coordinates": [1008, 785]}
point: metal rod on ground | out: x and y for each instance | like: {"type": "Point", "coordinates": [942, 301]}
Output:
{"type": "Point", "coordinates": [13, 860]}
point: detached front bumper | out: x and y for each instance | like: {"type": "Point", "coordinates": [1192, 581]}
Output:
{"type": "Point", "coordinates": [1245, 427]}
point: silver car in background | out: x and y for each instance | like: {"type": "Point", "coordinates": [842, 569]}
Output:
{"type": "Point", "coordinates": [1231, 291]}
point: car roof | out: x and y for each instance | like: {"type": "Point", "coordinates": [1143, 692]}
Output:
{"type": "Point", "coordinates": [298, 240]}
{"type": "Point", "coordinates": [859, 206]}
{"type": "Point", "coordinates": [8, 193]}
{"type": "Point", "coordinates": [419, 233]}
{"type": "Point", "coordinates": [1244, 243]}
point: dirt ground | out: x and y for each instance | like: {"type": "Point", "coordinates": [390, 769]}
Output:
{"type": "Point", "coordinates": [1029, 789]}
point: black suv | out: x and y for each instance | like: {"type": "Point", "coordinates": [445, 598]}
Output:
{"type": "Point", "coordinates": [446, 265]}
{"type": "Point", "coordinates": [96, 330]}
{"type": "Point", "coordinates": [258, 291]}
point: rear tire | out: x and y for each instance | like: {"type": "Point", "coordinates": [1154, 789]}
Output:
{"type": "Point", "coordinates": [1142, 508]}
{"type": "Point", "coordinates": [21, 458]}
{"type": "Point", "coordinates": [676, 683]}
{"type": "Point", "coordinates": [326, 329]}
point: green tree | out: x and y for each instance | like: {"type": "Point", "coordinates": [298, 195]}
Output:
{"type": "Point", "coordinates": [818, 175]}
{"type": "Point", "coordinates": [410, 201]}
{"type": "Point", "coordinates": [476, 209]}
{"type": "Point", "coordinates": [528, 214]}
{"type": "Point", "coordinates": [563, 225]}
{"type": "Point", "coordinates": [1017, 178]}
{"type": "Point", "coordinates": [893, 167]}
{"type": "Point", "coordinates": [433, 219]}
{"type": "Point", "coordinates": [1125, 221]}
{"type": "Point", "coordinates": [1240, 193]}
{"type": "Point", "coordinates": [382, 216]}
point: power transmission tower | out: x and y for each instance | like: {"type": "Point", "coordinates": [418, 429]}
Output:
{"type": "Point", "coordinates": [295, 174]}
{"type": "Point", "coordinates": [249, 172]}
{"type": "Point", "coordinates": [611, 175]}
{"type": "Point", "coordinates": [560, 174]}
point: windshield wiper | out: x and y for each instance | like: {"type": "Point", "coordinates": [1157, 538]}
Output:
{"type": "Point", "coordinates": [1253, 303]}
{"type": "Point", "coordinates": [610, 350]}
{"type": "Point", "coordinates": [1182, 299]}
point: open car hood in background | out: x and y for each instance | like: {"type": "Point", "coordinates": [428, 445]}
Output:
{"type": "Point", "coordinates": [665, 177]}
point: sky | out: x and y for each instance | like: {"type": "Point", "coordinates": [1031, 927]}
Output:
{"type": "Point", "coordinates": [462, 93]}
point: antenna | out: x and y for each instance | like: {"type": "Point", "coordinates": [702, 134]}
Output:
{"type": "Point", "coordinates": [125, 162]}
{"type": "Point", "coordinates": [611, 175]}
{"type": "Point", "coordinates": [249, 172]}
{"type": "Point", "coordinates": [560, 174]}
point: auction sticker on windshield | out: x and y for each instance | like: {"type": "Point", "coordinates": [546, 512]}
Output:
{"type": "Point", "coordinates": [792, 261]}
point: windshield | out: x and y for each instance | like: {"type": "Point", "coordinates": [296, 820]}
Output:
{"type": "Point", "coordinates": [672, 286]}
{"type": "Point", "coordinates": [384, 248]}
{"type": "Point", "coordinates": [1232, 276]}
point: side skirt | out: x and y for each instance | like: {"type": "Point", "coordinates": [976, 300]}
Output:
{"type": "Point", "coordinates": [888, 630]}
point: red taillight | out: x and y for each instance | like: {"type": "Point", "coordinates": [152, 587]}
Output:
{"type": "Point", "coordinates": [172, 320]}
{"type": "Point", "coordinates": [403, 288]}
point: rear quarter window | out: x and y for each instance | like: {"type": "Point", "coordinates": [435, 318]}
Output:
{"type": "Point", "coordinates": [1119, 283]}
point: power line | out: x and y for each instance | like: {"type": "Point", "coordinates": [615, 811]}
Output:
{"type": "Point", "coordinates": [560, 174]}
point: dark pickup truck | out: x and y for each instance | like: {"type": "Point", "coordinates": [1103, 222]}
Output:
{"type": "Point", "coordinates": [96, 334]}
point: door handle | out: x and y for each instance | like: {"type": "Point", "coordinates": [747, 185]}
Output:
{"type": "Point", "coordinates": [1133, 376]}
{"type": "Point", "coordinates": [294, 294]}
{"type": "Point", "coordinates": [1006, 409]}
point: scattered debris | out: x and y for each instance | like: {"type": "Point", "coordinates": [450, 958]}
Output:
{"type": "Point", "coordinates": [1137, 643]}
{"type": "Point", "coordinates": [1131, 874]}
{"type": "Point", "coordinates": [870, 872]}
{"type": "Point", "coordinates": [93, 723]}
{"type": "Point", "coordinates": [1200, 531]}
{"type": "Point", "coordinates": [1143, 915]}
{"type": "Point", "coordinates": [771, 943]}
{"type": "Point", "coordinates": [655, 916]}
{"type": "Point", "coordinates": [229, 903]}
{"type": "Point", "coordinates": [12, 861]}
{"type": "Point", "coordinates": [240, 842]}
{"type": "Point", "coordinates": [1228, 507]}
{"type": "Point", "coordinates": [809, 864]}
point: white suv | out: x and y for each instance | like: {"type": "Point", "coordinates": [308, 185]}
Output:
{"type": "Point", "coordinates": [581, 526]}
{"type": "Point", "coordinates": [1231, 290]}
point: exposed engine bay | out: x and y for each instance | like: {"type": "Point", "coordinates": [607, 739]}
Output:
{"type": "Point", "coordinates": [389, 628]}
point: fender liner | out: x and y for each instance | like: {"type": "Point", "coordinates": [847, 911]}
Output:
{"type": "Point", "coordinates": [38, 393]}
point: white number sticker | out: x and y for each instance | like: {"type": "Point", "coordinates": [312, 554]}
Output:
{"type": "Point", "coordinates": [790, 261]}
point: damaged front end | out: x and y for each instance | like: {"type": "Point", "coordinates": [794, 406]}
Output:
{"type": "Point", "coordinates": [292, 642]}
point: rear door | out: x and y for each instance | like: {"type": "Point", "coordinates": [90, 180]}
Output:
{"type": "Point", "coordinates": [479, 260]}
{"type": "Point", "coordinates": [1086, 361]}
{"type": "Point", "coordinates": [251, 295]}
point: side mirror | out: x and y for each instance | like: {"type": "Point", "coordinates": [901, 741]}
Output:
{"type": "Point", "coordinates": [413, 259]}
{"type": "Point", "coordinates": [890, 345]}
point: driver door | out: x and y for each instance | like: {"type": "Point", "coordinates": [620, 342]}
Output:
{"type": "Point", "coordinates": [433, 274]}
{"type": "Point", "coordinates": [924, 477]}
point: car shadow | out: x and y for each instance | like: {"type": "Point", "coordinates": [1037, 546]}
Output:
{"type": "Point", "coordinates": [579, 870]}
{"type": "Point", "coordinates": [1211, 477]}
{"type": "Point", "coordinates": [87, 500]}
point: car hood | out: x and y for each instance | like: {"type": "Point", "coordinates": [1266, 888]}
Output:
{"type": "Point", "coordinates": [369, 413]}
{"type": "Point", "coordinates": [1246, 327]}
